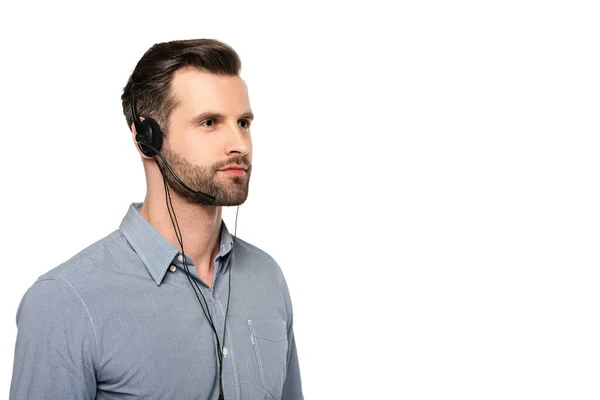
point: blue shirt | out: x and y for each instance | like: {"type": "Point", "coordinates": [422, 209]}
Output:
{"type": "Point", "coordinates": [120, 320]}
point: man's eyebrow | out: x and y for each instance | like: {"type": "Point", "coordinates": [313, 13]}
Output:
{"type": "Point", "coordinates": [248, 115]}
{"type": "Point", "coordinates": [198, 119]}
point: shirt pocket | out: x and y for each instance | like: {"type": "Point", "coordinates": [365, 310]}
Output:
{"type": "Point", "coordinates": [269, 337]}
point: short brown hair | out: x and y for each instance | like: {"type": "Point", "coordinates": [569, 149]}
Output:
{"type": "Point", "coordinates": [150, 81]}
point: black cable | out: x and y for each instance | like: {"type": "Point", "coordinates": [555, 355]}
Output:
{"type": "Point", "coordinates": [229, 290]}
{"type": "Point", "coordinates": [178, 234]}
{"type": "Point", "coordinates": [194, 285]}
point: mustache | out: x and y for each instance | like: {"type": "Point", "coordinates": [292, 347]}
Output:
{"type": "Point", "coordinates": [234, 160]}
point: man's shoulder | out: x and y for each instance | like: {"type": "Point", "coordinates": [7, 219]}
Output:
{"type": "Point", "coordinates": [59, 287]}
{"type": "Point", "coordinates": [251, 250]}
{"type": "Point", "coordinates": [256, 259]}
{"type": "Point", "coordinates": [86, 259]}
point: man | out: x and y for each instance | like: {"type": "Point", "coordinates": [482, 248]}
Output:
{"type": "Point", "coordinates": [168, 306]}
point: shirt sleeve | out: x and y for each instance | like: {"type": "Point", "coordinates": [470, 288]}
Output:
{"type": "Point", "coordinates": [56, 344]}
{"type": "Point", "coordinates": [292, 387]}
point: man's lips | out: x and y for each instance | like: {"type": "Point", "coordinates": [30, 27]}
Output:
{"type": "Point", "coordinates": [234, 167]}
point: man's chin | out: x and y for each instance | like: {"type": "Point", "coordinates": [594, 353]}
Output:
{"type": "Point", "coordinates": [233, 202]}
{"type": "Point", "coordinates": [224, 199]}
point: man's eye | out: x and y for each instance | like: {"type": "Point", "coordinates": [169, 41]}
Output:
{"type": "Point", "coordinates": [208, 122]}
{"type": "Point", "coordinates": [246, 123]}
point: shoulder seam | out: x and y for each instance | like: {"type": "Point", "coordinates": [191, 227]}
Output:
{"type": "Point", "coordinates": [86, 310]}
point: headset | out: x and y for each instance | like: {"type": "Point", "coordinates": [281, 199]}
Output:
{"type": "Point", "coordinates": [149, 139]}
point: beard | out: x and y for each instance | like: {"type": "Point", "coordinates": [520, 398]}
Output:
{"type": "Point", "coordinates": [228, 190]}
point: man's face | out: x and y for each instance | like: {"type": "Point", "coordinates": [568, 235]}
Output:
{"type": "Point", "coordinates": [209, 129]}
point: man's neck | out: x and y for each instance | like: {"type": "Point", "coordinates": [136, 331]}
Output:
{"type": "Point", "coordinates": [200, 227]}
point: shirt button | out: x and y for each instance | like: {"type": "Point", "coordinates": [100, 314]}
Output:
{"type": "Point", "coordinates": [225, 352]}
{"type": "Point", "coordinates": [180, 258]}
{"type": "Point", "coordinates": [173, 268]}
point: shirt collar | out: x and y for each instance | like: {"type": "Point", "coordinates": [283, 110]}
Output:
{"type": "Point", "coordinates": [155, 251]}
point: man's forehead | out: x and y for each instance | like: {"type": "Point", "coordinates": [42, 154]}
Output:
{"type": "Point", "coordinates": [192, 79]}
{"type": "Point", "coordinates": [196, 91]}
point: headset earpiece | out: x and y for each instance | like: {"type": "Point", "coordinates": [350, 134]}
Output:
{"type": "Point", "coordinates": [148, 131]}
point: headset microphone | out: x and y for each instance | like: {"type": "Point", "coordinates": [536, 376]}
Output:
{"type": "Point", "coordinates": [149, 137]}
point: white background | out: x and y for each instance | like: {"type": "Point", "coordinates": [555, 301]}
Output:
{"type": "Point", "coordinates": [426, 174]}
